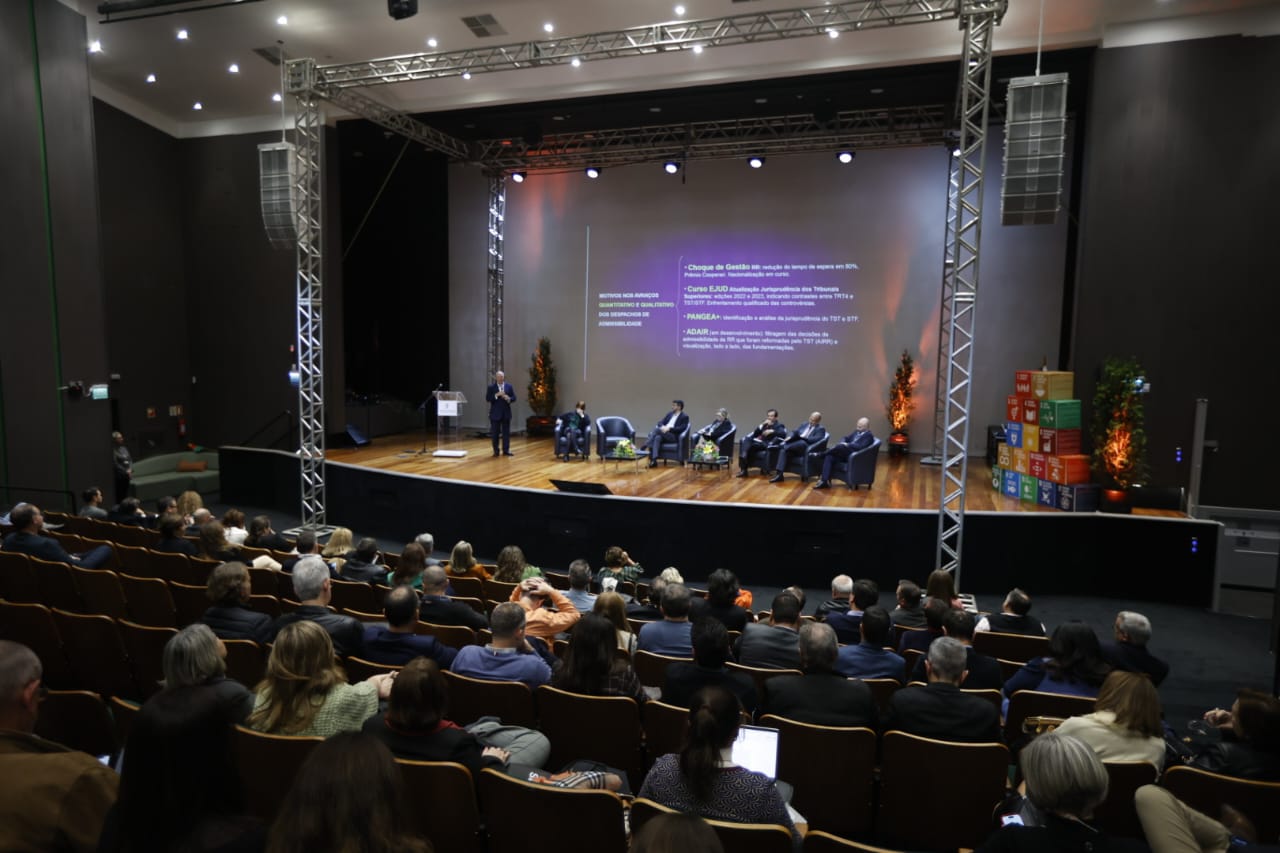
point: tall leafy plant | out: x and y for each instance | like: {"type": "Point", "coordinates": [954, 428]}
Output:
{"type": "Point", "coordinates": [1119, 436]}
{"type": "Point", "coordinates": [904, 380]}
{"type": "Point", "coordinates": [541, 393]}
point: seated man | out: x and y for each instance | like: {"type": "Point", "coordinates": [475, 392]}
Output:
{"type": "Point", "coordinates": [312, 586]}
{"type": "Point", "coordinates": [306, 545]}
{"type": "Point", "coordinates": [651, 609]}
{"type": "Point", "coordinates": [771, 431]}
{"type": "Point", "coordinates": [860, 438]}
{"type": "Point", "coordinates": [866, 593]}
{"type": "Point", "coordinates": [579, 593]}
{"type": "Point", "coordinates": [1129, 649]}
{"type": "Point", "coordinates": [870, 658]}
{"type": "Point", "coordinates": [511, 656]}
{"type": "Point", "coordinates": [364, 567]}
{"type": "Point", "coordinates": [939, 710]}
{"type": "Point", "coordinates": [573, 431]}
{"type": "Point", "coordinates": [777, 644]}
{"type": "Point", "coordinates": [908, 613]}
{"type": "Point", "coordinates": [812, 434]}
{"type": "Point", "coordinates": [28, 538]}
{"type": "Point", "coordinates": [671, 636]}
{"type": "Point", "coordinates": [710, 651]}
{"type": "Point", "coordinates": [397, 644]}
{"type": "Point", "coordinates": [438, 609]}
{"type": "Point", "coordinates": [533, 594]}
{"type": "Point", "coordinates": [92, 507]}
{"type": "Point", "coordinates": [984, 670]}
{"type": "Point", "coordinates": [129, 512]}
{"type": "Point", "coordinates": [1014, 617]}
{"type": "Point", "coordinates": [668, 429]}
{"type": "Point", "coordinates": [171, 539]}
{"type": "Point", "coordinates": [821, 696]}
{"type": "Point", "coordinates": [51, 797]}
{"type": "Point", "coordinates": [841, 593]}
{"type": "Point", "coordinates": [717, 429]}
{"type": "Point", "coordinates": [935, 610]}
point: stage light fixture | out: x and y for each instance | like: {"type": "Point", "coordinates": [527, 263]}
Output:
{"type": "Point", "coordinates": [594, 171]}
{"type": "Point", "coordinates": [518, 177]}
{"type": "Point", "coordinates": [401, 9]}
{"type": "Point", "coordinates": [95, 46]}
{"type": "Point", "coordinates": [671, 167]}
{"type": "Point", "coordinates": [755, 162]}
{"type": "Point", "coordinates": [846, 156]}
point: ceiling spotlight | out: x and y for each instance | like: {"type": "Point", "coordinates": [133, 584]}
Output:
{"type": "Point", "coordinates": [956, 152]}
{"type": "Point", "coordinates": [283, 20]}
{"type": "Point", "coordinates": [548, 27]}
{"type": "Point", "coordinates": [594, 171]}
{"type": "Point", "coordinates": [833, 32]}
{"type": "Point", "coordinates": [671, 167]}
{"type": "Point", "coordinates": [276, 97]}
{"type": "Point", "coordinates": [846, 156]}
{"type": "Point", "coordinates": [233, 69]}
{"type": "Point", "coordinates": [466, 75]}
{"type": "Point", "coordinates": [151, 78]}
{"type": "Point", "coordinates": [431, 42]}
{"type": "Point", "coordinates": [401, 9]}
{"type": "Point", "coordinates": [755, 162]}
{"type": "Point", "coordinates": [95, 46]}
{"type": "Point", "coordinates": [197, 106]}
{"type": "Point", "coordinates": [182, 35]}
{"type": "Point", "coordinates": [697, 48]}
{"type": "Point", "coordinates": [575, 62]}
{"type": "Point", "coordinates": [519, 177]}
{"type": "Point", "coordinates": [679, 10]}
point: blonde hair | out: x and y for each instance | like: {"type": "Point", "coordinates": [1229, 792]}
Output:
{"type": "Point", "coordinates": [340, 542]}
{"type": "Point", "coordinates": [300, 673]}
{"type": "Point", "coordinates": [1133, 699]}
{"type": "Point", "coordinates": [188, 503]}
{"type": "Point", "coordinates": [462, 558]}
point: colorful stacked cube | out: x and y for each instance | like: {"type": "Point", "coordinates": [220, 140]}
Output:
{"type": "Point", "coordinates": [1040, 460]}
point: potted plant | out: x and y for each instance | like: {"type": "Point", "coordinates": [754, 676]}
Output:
{"type": "Point", "coordinates": [541, 392]}
{"type": "Point", "coordinates": [1119, 437]}
{"type": "Point", "coordinates": [899, 408]}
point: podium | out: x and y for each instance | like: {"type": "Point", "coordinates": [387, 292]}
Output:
{"type": "Point", "coordinates": [448, 416]}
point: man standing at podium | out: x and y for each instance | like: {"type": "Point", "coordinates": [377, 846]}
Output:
{"type": "Point", "coordinates": [500, 396]}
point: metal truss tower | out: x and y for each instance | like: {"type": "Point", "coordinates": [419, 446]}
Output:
{"type": "Point", "coordinates": [944, 313]}
{"type": "Point", "coordinates": [978, 20]}
{"type": "Point", "coordinates": [496, 269]}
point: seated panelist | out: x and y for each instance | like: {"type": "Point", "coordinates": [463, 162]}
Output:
{"type": "Point", "coordinates": [573, 430]}
{"type": "Point", "coordinates": [859, 439]}
{"type": "Point", "coordinates": [667, 429]}
{"type": "Point", "coordinates": [717, 429]}
{"type": "Point", "coordinates": [770, 432]}
{"type": "Point", "coordinates": [798, 443]}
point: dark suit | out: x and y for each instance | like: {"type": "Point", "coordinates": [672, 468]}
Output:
{"type": "Point", "coordinates": [847, 625]}
{"type": "Point", "coordinates": [382, 645]}
{"type": "Point", "coordinates": [1133, 658]}
{"type": "Point", "coordinates": [500, 414]}
{"type": "Point", "coordinates": [758, 442]}
{"type": "Point", "coordinates": [346, 632]}
{"type": "Point", "coordinates": [942, 712]}
{"type": "Point", "coordinates": [685, 679]}
{"type": "Point", "coordinates": [820, 698]}
{"type": "Point", "coordinates": [360, 572]}
{"type": "Point", "coordinates": [573, 429]}
{"type": "Point", "coordinates": [769, 647]}
{"type": "Point", "coordinates": [716, 430]}
{"type": "Point", "coordinates": [45, 548]}
{"type": "Point", "coordinates": [984, 672]}
{"type": "Point", "coordinates": [849, 445]}
{"type": "Point", "coordinates": [176, 546]}
{"type": "Point", "coordinates": [918, 640]}
{"type": "Point", "coordinates": [657, 436]}
{"type": "Point", "coordinates": [439, 610]}
{"type": "Point", "coordinates": [798, 444]}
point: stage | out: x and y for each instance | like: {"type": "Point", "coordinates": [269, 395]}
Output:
{"type": "Point", "coordinates": [766, 532]}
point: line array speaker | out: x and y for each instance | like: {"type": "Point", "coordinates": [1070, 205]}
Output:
{"type": "Point", "coordinates": [276, 181]}
{"type": "Point", "coordinates": [1035, 144]}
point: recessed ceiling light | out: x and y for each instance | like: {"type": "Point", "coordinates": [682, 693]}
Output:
{"type": "Point", "coordinates": [593, 171]}
{"type": "Point", "coordinates": [548, 27]}
{"type": "Point", "coordinates": [518, 177]}
{"type": "Point", "coordinates": [697, 48]}
{"type": "Point", "coordinates": [95, 46]}
{"type": "Point", "coordinates": [197, 106]}
{"type": "Point", "coordinates": [846, 156]}
{"type": "Point", "coordinates": [283, 20]}
{"type": "Point", "coordinates": [679, 10]}
{"type": "Point", "coordinates": [575, 62]}
{"type": "Point", "coordinates": [182, 35]}
{"type": "Point", "coordinates": [431, 42]}
{"type": "Point", "coordinates": [233, 69]}
{"type": "Point", "coordinates": [466, 75]}
{"type": "Point", "coordinates": [276, 97]}
{"type": "Point", "coordinates": [151, 78]}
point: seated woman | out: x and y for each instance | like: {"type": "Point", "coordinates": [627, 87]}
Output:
{"type": "Point", "coordinates": [341, 543]}
{"type": "Point", "coordinates": [591, 665]}
{"type": "Point", "coordinates": [703, 779]}
{"type": "Point", "coordinates": [942, 585]}
{"type": "Point", "coordinates": [229, 616]}
{"type": "Point", "coordinates": [233, 526]}
{"type": "Point", "coordinates": [262, 536]}
{"type": "Point", "coordinates": [1074, 665]}
{"type": "Point", "coordinates": [619, 566]}
{"type": "Point", "coordinates": [348, 795]}
{"type": "Point", "coordinates": [306, 693]}
{"type": "Point", "coordinates": [213, 544]}
{"type": "Point", "coordinates": [512, 567]}
{"type": "Point", "coordinates": [1125, 724]}
{"type": "Point", "coordinates": [187, 504]}
{"type": "Point", "coordinates": [573, 431]}
{"type": "Point", "coordinates": [195, 657]}
{"type": "Point", "coordinates": [409, 569]}
{"type": "Point", "coordinates": [463, 563]}
{"type": "Point", "coordinates": [722, 592]}
{"type": "Point", "coordinates": [1250, 744]}
{"type": "Point", "coordinates": [416, 726]}
{"type": "Point", "coordinates": [172, 541]}
{"type": "Point", "coordinates": [613, 607]}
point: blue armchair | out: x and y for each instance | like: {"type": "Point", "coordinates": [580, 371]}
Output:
{"type": "Point", "coordinates": [679, 451]}
{"type": "Point", "coordinates": [562, 441]}
{"type": "Point", "coordinates": [609, 431]}
{"type": "Point", "coordinates": [860, 468]}
{"type": "Point", "coordinates": [809, 463]}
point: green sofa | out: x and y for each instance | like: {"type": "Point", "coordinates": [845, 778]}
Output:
{"type": "Point", "coordinates": [157, 476]}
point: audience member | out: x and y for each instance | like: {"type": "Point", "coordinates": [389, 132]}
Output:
{"type": "Point", "coordinates": [463, 563]}
{"type": "Point", "coordinates": [213, 544]}
{"type": "Point", "coordinates": [172, 540]}
{"type": "Point", "coordinates": [179, 790]}
{"type": "Point", "coordinates": [409, 568]}
{"type": "Point", "coordinates": [533, 594]}
{"type": "Point", "coordinates": [202, 517]}
{"type": "Point", "coordinates": [821, 696]}
{"type": "Point", "coordinates": [798, 593]}
{"type": "Point", "coordinates": [348, 795]}
{"type": "Point", "coordinates": [1172, 826]}
{"type": "Point", "coordinates": [511, 656]}
{"type": "Point", "coordinates": [984, 670]}
{"type": "Point", "coordinates": [305, 692]}
{"type": "Point", "coordinates": [1128, 651]}
{"type": "Point", "coordinates": [184, 505]}
{"type": "Point", "coordinates": [512, 566]}
{"type": "Point", "coordinates": [438, 609]}
{"type": "Point", "coordinates": [195, 657]}
{"type": "Point", "coordinates": [710, 652]}
{"type": "Point", "coordinates": [702, 778]}
{"type": "Point", "coordinates": [122, 462]}
{"type": "Point", "coordinates": [312, 586]}
{"type": "Point", "coordinates": [775, 645]}
{"type": "Point", "coordinates": [722, 591]}
{"type": "Point", "coordinates": [866, 593]}
{"type": "Point", "coordinates": [942, 585]}
{"type": "Point", "coordinates": [1250, 739]}
{"type": "Point", "coordinates": [676, 833]}
{"type": "Point", "coordinates": [909, 613]}
{"type": "Point", "coordinates": [232, 524]}
{"type": "Point", "coordinates": [336, 550]}
{"type": "Point", "coordinates": [364, 566]}
{"type": "Point", "coordinates": [619, 566]}
{"type": "Point", "coordinates": [579, 593]}
{"type": "Point", "coordinates": [51, 797]}
{"type": "Point", "coordinates": [167, 505]}
{"type": "Point", "coordinates": [130, 513]}
{"type": "Point", "coordinates": [670, 636]}
{"type": "Point", "coordinates": [397, 644]}
{"type": "Point", "coordinates": [839, 602]}
{"type": "Point", "coordinates": [428, 544]}
{"type": "Point", "coordinates": [28, 538]}
{"type": "Point", "coordinates": [1013, 617]}
{"type": "Point", "coordinates": [939, 709]}
{"type": "Point", "coordinates": [1074, 665]}
{"type": "Point", "coordinates": [650, 609]}
{"type": "Point", "coordinates": [869, 658]}
{"type": "Point", "coordinates": [229, 616]}
{"type": "Point", "coordinates": [1125, 724]}
{"type": "Point", "coordinates": [262, 536]}
{"type": "Point", "coordinates": [92, 506]}
{"type": "Point", "coordinates": [592, 666]}
{"type": "Point", "coordinates": [935, 610]}
{"type": "Point", "coordinates": [611, 606]}
{"type": "Point", "coordinates": [306, 546]}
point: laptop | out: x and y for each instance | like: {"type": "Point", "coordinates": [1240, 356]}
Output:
{"type": "Point", "coordinates": [756, 749]}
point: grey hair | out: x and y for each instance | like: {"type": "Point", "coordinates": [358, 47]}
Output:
{"type": "Point", "coordinates": [427, 541]}
{"type": "Point", "coordinates": [1136, 626]}
{"type": "Point", "coordinates": [1063, 774]}
{"type": "Point", "coordinates": [309, 575]}
{"type": "Point", "coordinates": [671, 575]}
{"type": "Point", "coordinates": [722, 411]}
{"type": "Point", "coordinates": [19, 666]}
{"type": "Point", "coordinates": [191, 657]}
{"type": "Point", "coordinates": [818, 646]}
{"type": "Point", "coordinates": [507, 618]}
{"type": "Point", "coordinates": [948, 659]}
{"type": "Point", "coordinates": [842, 585]}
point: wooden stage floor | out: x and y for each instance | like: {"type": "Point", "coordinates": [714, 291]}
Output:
{"type": "Point", "coordinates": [901, 483]}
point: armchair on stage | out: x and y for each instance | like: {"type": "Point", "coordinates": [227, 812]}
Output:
{"type": "Point", "coordinates": [860, 469]}
{"type": "Point", "coordinates": [609, 431]}
{"type": "Point", "coordinates": [724, 446]}
{"type": "Point", "coordinates": [809, 463]}
{"type": "Point", "coordinates": [562, 441]}
{"type": "Point", "coordinates": [756, 453]}
{"type": "Point", "coordinates": [679, 451]}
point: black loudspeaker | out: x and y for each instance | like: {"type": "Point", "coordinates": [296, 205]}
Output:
{"type": "Point", "coordinates": [581, 488]}
{"type": "Point", "coordinates": [1035, 145]}
{"type": "Point", "coordinates": [401, 9]}
{"type": "Point", "coordinates": [358, 438]}
{"type": "Point", "coordinates": [276, 173]}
